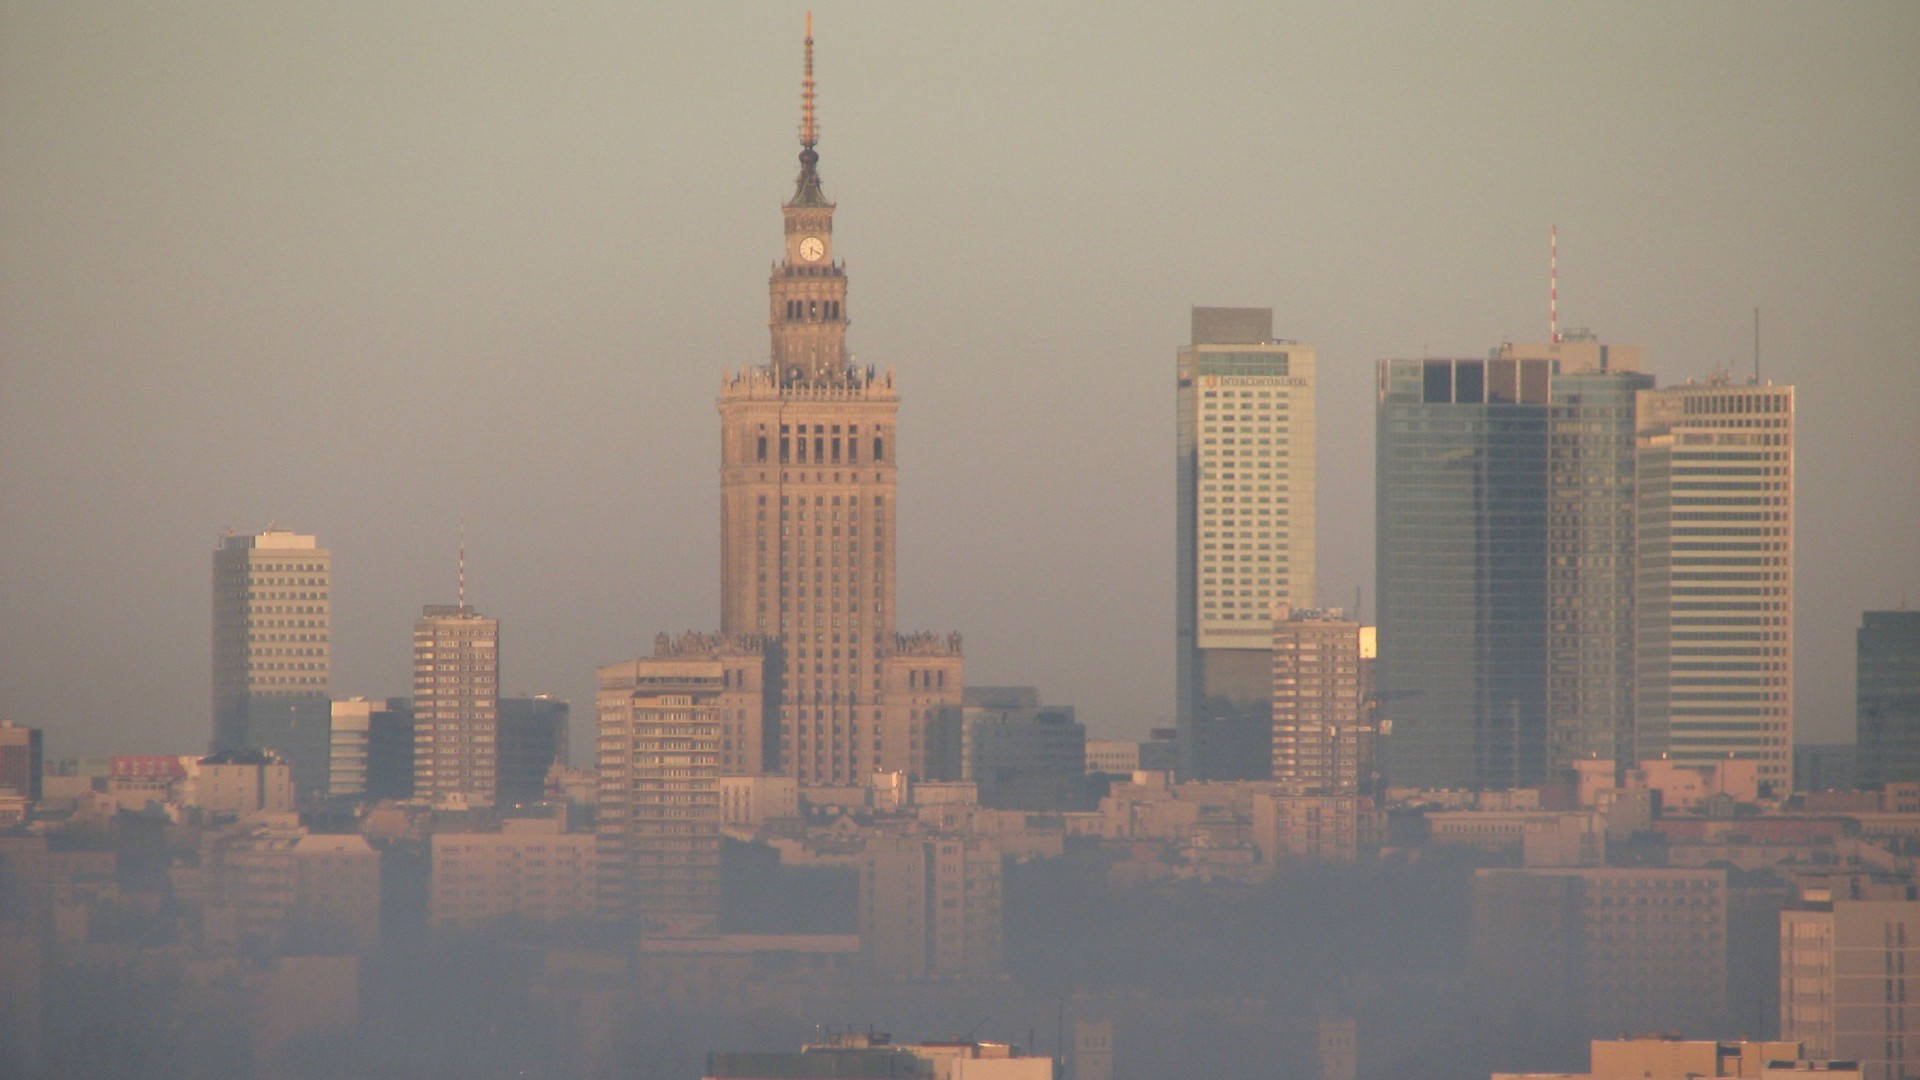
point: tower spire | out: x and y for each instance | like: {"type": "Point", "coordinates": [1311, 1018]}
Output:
{"type": "Point", "coordinates": [806, 191]}
{"type": "Point", "coordinates": [808, 136]}
{"type": "Point", "coordinates": [463, 562]}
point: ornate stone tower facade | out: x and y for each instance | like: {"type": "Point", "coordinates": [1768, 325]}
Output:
{"type": "Point", "coordinates": [807, 481]}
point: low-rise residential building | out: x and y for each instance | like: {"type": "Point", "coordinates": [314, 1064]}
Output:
{"type": "Point", "coordinates": [931, 907]}
{"type": "Point", "coordinates": [532, 871]}
{"type": "Point", "coordinates": [1670, 1057]}
{"type": "Point", "coordinates": [1850, 973]}
{"type": "Point", "coordinates": [1606, 948]}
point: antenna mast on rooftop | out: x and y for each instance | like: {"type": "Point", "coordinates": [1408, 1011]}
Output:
{"type": "Point", "coordinates": [1553, 285]}
{"type": "Point", "coordinates": [463, 562]}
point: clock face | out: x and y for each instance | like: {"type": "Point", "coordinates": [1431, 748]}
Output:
{"type": "Point", "coordinates": [811, 248]}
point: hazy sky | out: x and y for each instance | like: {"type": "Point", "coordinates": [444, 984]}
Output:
{"type": "Point", "coordinates": [364, 268]}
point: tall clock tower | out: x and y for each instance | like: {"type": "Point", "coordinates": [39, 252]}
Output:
{"type": "Point", "coordinates": [807, 481]}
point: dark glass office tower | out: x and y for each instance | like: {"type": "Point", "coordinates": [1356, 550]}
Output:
{"type": "Point", "coordinates": [1888, 716]}
{"type": "Point", "coordinates": [1462, 511]}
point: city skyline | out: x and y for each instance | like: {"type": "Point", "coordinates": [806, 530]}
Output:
{"type": "Point", "coordinates": [240, 325]}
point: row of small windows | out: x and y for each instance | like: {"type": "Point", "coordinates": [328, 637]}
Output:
{"type": "Point", "coordinates": [820, 500]}
{"type": "Point", "coordinates": [825, 448]}
{"type": "Point", "coordinates": [813, 310]}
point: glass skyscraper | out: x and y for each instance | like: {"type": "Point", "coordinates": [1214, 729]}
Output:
{"type": "Point", "coordinates": [1461, 530]}
{"type": "Point", "coordinates": [1506, 554]}
{"type": "Point", "coordinates": [1888, 695]}
{"type": "Point", "coordinates": [1590, 551]}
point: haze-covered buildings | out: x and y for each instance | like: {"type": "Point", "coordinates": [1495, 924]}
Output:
{"type": "Point", "coordinates": [1887, 689]}
{"type": "Point", "coordinates": [1850, 973]}
{"type": "Point", "coordinates": [456, 707]}
{"type": "Point", "coordinates": [658, 813]}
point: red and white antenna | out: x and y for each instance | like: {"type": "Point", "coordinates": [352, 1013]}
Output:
{"type": "Point", "coordinates": [1553, 285]}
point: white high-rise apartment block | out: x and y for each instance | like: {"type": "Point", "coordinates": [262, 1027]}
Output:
{"type": "Point", "coordinates": [1713, 577]}
{"type": "Point", "coordinates": [456, 706]}
{"type": "Point", "coordinates": [1244, 538]}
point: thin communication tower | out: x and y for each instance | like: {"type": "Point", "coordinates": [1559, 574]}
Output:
{"type": "Point", "coordinates": [1553, 285]}
{"type": "Point", "coordinates": [1756, 346]}
{"type": "Point", "coordinates": [463, 562]}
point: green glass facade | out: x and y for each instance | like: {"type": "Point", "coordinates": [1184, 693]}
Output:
{"type": "Point", "coordinates": [1888, 688]}
{"type": "Point", "coordinates": [1590, 566]}
{"type": "Point", "coordinates": [1461, 526]}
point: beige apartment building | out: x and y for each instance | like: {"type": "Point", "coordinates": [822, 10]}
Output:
{"type": "Point", "coordinates": [750, 694]}
{"type": "Point", "coordinates": [1713, 611]}
{"type": "Point", "coordinates": [1337, 827]}
{"type": "Point", "coordinates": [1322, 742]}
{"type": "Point", "coordinates": [809, 470]}
{"type": "Point", "coordinates": [658, 817]}
{"type": "Point", "coordinates": [456, 707]}
{"type": "Point", "coordinates": [1850, 974]}
{"type": "Point", "coordinates": [532, 870]}
{"type": "Point", "coordinates": [931, 907]}
{"type": "Point", "coordinates": [1670, 1057]}
{"type": "Point", "coordinates": [1608, 948]}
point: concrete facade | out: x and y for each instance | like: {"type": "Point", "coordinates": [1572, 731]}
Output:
{"type": "Point", "coordinates": [272, 651]}
{"type": "Point", "coordinates": [456, 707]}
{"type": "Point", "coordinates": [1322, 741]}
{"type": "Point", "coordinates": [809, 471]}
{"type": "Point", "coordinates": [931, 908]}
{"type": "Point", "coordinates": [1850, 975]}
{"type": "Point", "coordinates": [659, 808]}
{"type": "Point", "coordinates": [531, 871]}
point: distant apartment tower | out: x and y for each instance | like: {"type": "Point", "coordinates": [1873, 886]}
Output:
{"type": "Point", "coordinates": [659, 810]}
{"type": "Point", "coordinates": [1850, 975]}
{"type": "Point", "coordinates": [1714, 576]}
{"type": "Point", "coordinates": [533, 871]}
{"type": "Point", "coordinates": [749, 699]}
{"type": "Point", "coordinates": [272, 612]}
{"type": "Point", "coordinates": [931, 908]}
{"type": "Point", "coordinates": [20, 759]}
{"type": "Point", "coordinates": [1887, 691]}
{"type": "Point", "coordinates": [1244, 530]}
{"type": "Point", "coordinates": [1504, 524]}
{"type": "Point", "coordinates": [1322, 740]}
{"type": "Point", "coordinates": [533, 738]}
{"type": "Point", "coordinates": [456, 706]}
{"type": "Point", "coordinates": [1602, 949]}
{"type": "Point", "coordinates": [1092, 1050]}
